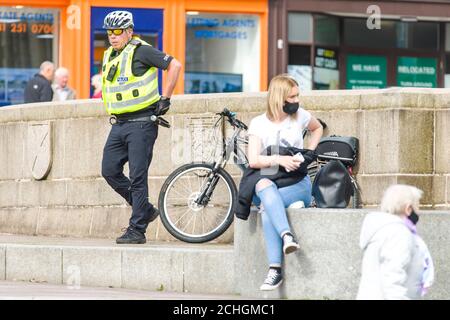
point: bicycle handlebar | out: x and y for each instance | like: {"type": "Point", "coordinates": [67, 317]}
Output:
{"type": "Point", "coordinates": [231, 117]}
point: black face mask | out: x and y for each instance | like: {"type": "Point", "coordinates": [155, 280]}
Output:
{"type": "Point", "coordinates": [290, 107]}
{"type": "Point", "coordinates": [413, 217]}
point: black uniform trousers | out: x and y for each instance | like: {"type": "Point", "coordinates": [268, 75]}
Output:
{"type": "Point", "coordinates": [131, 141]}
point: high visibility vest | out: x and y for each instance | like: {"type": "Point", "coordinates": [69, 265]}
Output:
{"type": "Point", "coordinates": [127, 92]}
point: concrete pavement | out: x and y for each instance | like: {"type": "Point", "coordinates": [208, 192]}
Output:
{"type": "Point", "coordinates": [18, 290]}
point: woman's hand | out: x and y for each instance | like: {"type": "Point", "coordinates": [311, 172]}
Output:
{"type": "Point", "coordinates": [290, 163]}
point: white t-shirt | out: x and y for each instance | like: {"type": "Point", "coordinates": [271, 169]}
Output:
{"type": "Point", "coordinates": [288, 133]}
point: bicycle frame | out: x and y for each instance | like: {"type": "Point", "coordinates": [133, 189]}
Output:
{"type": "Point", "coordinates": [230, 146]}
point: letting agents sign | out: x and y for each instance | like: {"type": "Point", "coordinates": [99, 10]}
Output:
{"type": "Point", "coordinates": [416, 72]}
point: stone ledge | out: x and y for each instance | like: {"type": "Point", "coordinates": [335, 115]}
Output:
{"type": "Point", "coordinates": [396, 98]}
{"type": "Point", "coordinates": [153, 266]}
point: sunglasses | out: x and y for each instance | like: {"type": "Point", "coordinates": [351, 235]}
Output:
{"type": "Point", "coordinates": [116, 32]}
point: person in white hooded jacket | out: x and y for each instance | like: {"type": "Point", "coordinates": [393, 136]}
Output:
{"type": "Point", "coordinates": [396, 262]}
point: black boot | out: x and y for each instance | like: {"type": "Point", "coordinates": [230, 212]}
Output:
{"type": "Point", "coordinates": [154, 215]}
{"type": "Point", "coordinates": [131, 236]}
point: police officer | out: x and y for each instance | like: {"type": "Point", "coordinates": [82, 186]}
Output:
{"type": "Point", "coordinates": [130, 94]}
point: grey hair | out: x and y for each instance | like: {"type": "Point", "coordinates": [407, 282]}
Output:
{"type": "Point", "coordinates": [45, 65]}
{"type": "Point", "coordinates": [61, 71]}
{"type": "Point", "coordinates": [399, 196]}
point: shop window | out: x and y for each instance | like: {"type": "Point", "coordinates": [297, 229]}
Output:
{"type": "Point", "coordinates": [326, 30]}
{"type": "Point", "coordinates": [447, 37]}
{"type": "Point", "coordinates": [417, 35]}
{"type": "Point", "coordinates": [300, 27]}
{"type": "Point", "coordinates": [28, 37]}
{"type": "Point", "coordinates": [222, 53]}
{"type": "Point", "coordinates": [326, 73]}
{"type": "Point", "coordinates": [356, 34]}
{"type": "Point", "coordinates": [393, 34]}
{"type": "Point", "coordinates": [299, 65]}
{"type": "Point", "coordinates": [447, 70]}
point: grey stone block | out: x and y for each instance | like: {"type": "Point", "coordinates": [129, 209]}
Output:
{"type": "Point", "coordinates": [442, 151]}
{"type": "Point", "coordinates": [415, 148]}
{"type": "Point", "coordinates": [19, 220]}
{"type": "Point", "coordinates": [10, 194]}
{"type": "Point", "coordinates": [34, 263]}
{"type": "Point", "coordinates": [188, 103]}
{"type": "Point", "coordinates": [159, 269]}
{"type": "Point", "coordinates": [162, 151]}
{"type": "Point", "coordinates": [107, 222]}
{"type": "Point", "coordinates": [65, 221]}
{"type": "Point", "coordinates": [43, 193]}
{"type": "Point", "coordinates": [12, 154]}
{"type": "Point", "coordinates": [237, 102]}
{"type": "Point", "coordinates": [218, 265]}
{"type": "Point", "coordinates": [95, 266]}
{"type": "Point", "coordinates": [424, 183]}
{"type": "Point", "coordinates": [433, 228]}
{"type": "Point", "coordinates": [331, 100]}
{"type": "Point", "coordinates": [84, 137]}
{"type": "Point", "coordinates": [11, 113]}
{"type": "Point", "coordinates": [92, 192]}
{"type": "Point", "coordinates": [397, 98]}
{"type": "Point", "coordinates": [2, 262]}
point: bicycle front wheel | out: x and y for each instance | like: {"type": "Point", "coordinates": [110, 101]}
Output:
{"type": "Point", "coordinates": [183, 217]}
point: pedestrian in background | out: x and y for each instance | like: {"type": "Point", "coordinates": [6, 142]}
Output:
{"type": "Point", "coordinates": [96, 83]}
{"type": "Point", "coordinates": [396, 262]}
{"type": "Point", "coordinates": [39, 88]}
{"type": "Point", "coordinates": [61, 91]}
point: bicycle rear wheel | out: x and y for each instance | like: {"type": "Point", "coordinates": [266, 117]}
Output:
{"type": "Point", "coordinates": [187, 220]}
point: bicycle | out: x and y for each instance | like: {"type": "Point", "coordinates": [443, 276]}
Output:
{"type": "Point", "coordinates": [197, 200]}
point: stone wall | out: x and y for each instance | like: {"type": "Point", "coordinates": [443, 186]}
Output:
{"type": "Point", "coordinates": [404, 138]}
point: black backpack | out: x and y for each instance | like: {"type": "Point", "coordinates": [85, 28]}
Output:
{"type": "Point", "coordinates": [332, 186]}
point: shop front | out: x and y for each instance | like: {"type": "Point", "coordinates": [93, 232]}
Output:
{"type": "Point", "coordinates": [359, 45]}
{"type": "Point", "coordinates": [221, 44]}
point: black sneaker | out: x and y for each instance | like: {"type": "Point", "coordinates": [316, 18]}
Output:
{"type": "Point", "coordinates": [154, 215]}
{"type": "Point", "coordinates": [273, 280]}
{"type": "Point", "coordinates": [289, 243]}
{"type": "Point", "coordinates": [131, 236]}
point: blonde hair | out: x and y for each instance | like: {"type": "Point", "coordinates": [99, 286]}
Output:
{"type": "Point", "coordinates": [399, 196]}
{"type": "Point", "coordinates": [279, 90]}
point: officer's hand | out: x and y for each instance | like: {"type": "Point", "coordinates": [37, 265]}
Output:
{"type": "Point", "coordinates": [162, 106]}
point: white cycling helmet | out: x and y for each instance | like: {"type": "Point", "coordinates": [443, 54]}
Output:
{"type": "Point", "coordinates": [118, 20]}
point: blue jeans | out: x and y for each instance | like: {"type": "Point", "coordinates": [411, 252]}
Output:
{"type": "Point", "coordinates": [274, 218]}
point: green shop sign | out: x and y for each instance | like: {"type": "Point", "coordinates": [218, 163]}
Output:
{"type": "Point", "coordinates": [416, 72]}
{"type": "Point", "coordinates": [366, 72]}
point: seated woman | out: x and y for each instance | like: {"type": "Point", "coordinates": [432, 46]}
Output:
{"type": "Point", "coordinates": [281, 125]}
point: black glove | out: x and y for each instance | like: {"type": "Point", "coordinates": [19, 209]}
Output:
{"type": "Point", "coordinates": [162, 106]}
